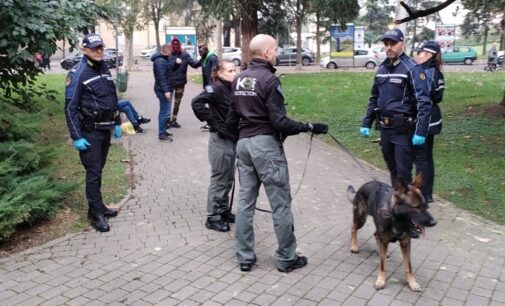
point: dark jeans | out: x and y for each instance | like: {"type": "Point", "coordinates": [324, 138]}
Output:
{"type": "Point", "coordinates": [126, 107]}
{"type": "Point", "coordinates": [397, 150]}
{"type": "Point", "coordinates": [164, 115]}
{"type": "Point", "coordinates": [425, 164]}
{"type": "Point", "coordinates": [93, 159]}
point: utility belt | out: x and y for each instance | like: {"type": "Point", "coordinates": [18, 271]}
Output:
{"type": "Point", "coordinates": [396, 121]}
{"type": "Point", "coordinates": [101, 119]}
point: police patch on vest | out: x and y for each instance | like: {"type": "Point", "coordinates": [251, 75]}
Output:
{"type": "Point", "coordinates": [396, 81]}
{"type": "Point", "coordinates": [422, 76]}
{"type": "Point", "coordinates": [68, 80]}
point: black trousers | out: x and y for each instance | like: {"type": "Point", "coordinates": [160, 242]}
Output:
{"type": "Point", "coordinates": [425, 164]}
{"type": "Point", "coordinates": [93, 160]}
{"type": "Point", "coordinates": [397, 150]}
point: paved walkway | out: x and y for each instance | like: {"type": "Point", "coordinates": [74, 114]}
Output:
{"type": "Point", "coordinates": [159, 252]}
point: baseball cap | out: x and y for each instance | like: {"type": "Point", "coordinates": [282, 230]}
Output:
{"type": "Point", "coordinates": [394, 35]}
{"type": "Point", "coordinates": [92, 40]}
{"type": "Point", "coordinates": [429, 46]}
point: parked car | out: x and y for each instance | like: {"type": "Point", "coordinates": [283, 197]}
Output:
{"type": "Point", "coordinates": [362, 58]}
{"type": "Point", "coordinates": [109, 55]}
{"type": "Point", "coordinates": [148, 52]}
{"type": "Point", "coordinates": [232, 54]}
{"type": "Point", "coordinates": [459, 54]}
{"type": "Point", "coordinates": [288, 56]}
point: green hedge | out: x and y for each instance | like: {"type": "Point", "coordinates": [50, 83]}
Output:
{"type": "Point", "coordinates": [28, 193]}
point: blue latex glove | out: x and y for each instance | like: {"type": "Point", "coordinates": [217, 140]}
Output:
{"type": "Point", "coordinates": [81, 144]}
{"type": "Point", "coordinates": [418, 140]}
{"type": "Point", "coordinates": [117, 131]}
{"type": "Point", "coordinates": [364, 131]}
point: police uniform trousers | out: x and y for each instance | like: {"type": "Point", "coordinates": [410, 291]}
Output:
{"type": "Point", "coordinates": [261, 160]}
{"type": "Point", "coordinates": [222, 168]}
{"type": "Point", "coordinates": [93, 159]}
{"type": "Point", "coordinates": [397, 150]}
{"type": "Point", "coordinates": [425, 164]}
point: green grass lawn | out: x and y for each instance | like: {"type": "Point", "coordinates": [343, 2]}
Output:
{"type": "Point", "coordinates": [469, 154]}
{"type": "Point", "coordinates": [66, 163]}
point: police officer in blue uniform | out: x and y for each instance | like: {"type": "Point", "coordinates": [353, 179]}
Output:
{"type": "Point", "coordinates": [92, 113]}
{"type": "Point", "coordinates": [259, 114]}
{"type": "Point", "coordinates": [429, 57]}
{"type": "Point", "coordinates": [401, 103]}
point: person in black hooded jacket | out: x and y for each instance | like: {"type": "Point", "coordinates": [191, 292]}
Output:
{"type": "Point", "coordinates": [178, 77]}
{"type": "Point", "coordinates": [221, 144]}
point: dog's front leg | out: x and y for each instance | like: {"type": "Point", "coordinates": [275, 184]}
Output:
{"type": "Point", "coordinates": [407, 267]}
{"type": "Point", "coordinates": [383, 250]}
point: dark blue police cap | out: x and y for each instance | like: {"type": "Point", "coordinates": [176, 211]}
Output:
{"type": "Point", "coordinates": [92, 40]}
{"type": "Point", "coordinates": [394, 35]}
{"type": "Point", "coordinates": [429, 46]}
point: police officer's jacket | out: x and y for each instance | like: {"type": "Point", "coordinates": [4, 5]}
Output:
{"type": "Point", "coordinates": [400, 89]}
{"type": "Point", "coordinates": [218, 97]}
{"type": "Point", "coordinates": [178, 72]}
{"type": "Point", "coordinates": [258, 104]}
{"type": "Point", "coordinates": [90, 88]}
{"type": "Point", "coordinates": [436, 85]}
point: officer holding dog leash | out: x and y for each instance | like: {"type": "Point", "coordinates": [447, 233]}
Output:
{"type": "Point", "coordinates": [401, 104]}
{"type": "Point", "coordinates": [92, 112]}
{"type": "Point", "coordinates": [259, 115]}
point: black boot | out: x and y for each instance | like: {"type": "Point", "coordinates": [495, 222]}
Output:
{"type": "Point", "coordinates": [219, 226]}
{"type": "Point", "coordinates": [228, 216]}
{"type": "Point", "coordinates": [99, 222]}
{"type": "Point", "coordinates": [142, 120]}
{"type": "Point", "coordinates": [111, 212]}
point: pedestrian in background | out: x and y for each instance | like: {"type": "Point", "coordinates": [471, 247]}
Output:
{"type": "Point", "coordinates": [208, 60]}
{"type": "Point", "coordinates": [92, 113]}
{"type": "Point", "coordinates": [46, 60]}
{"type": "Point", "coordinates": [430, 59]}
{"type": "Point", "coordinates": [162, 66]}
{"type": "Point", "coordinates": [178, 77]}
{"type": "Point", "coordinates": [401, 102]}
{"type": "Point", "coordinates": [221, 144]}
{"type": "Point", "coordinates": [259, 115]}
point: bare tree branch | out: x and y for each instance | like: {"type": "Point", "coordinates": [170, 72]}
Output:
{"type": "Point", "coordinates": [413, 14]}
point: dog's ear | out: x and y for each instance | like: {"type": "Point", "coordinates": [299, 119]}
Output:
{"type": "Point", "coordinates": [418, 181]}
{"type": "Point", "coordinates": [400, 185]}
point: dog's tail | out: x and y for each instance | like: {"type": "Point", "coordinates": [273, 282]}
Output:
{"type": "Point", "coordinates": [351, 193]}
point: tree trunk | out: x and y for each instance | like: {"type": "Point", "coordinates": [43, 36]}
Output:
{"type": "Point", "coordinates": [414, 38]}
{"type": "Point", "coordinates": [128, 55]}
{"type": "Point", "coordinates": [485, 34]}
{"type": "Point", "coordinates": [249, 27]}
{"type": "Point", "coordinates": [219, 41]}
{"type": "Point", "coordinates": [299, 20]}
{"type": "Point", "coordinates": [227, 34]}
{"type": "Point", "coordinates": [318, 39]}
{"type": "Point", "coordinates": [237, 36]}
{"type": "Point", "coordinates": [157, 32]}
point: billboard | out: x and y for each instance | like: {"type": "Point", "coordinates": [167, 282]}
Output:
{"type": "Point", "coordinates": [187, 37]}
{"type": "Point", "coordinates": [342, 41]}
{"type": "Point", "coordinates": [445, 36]}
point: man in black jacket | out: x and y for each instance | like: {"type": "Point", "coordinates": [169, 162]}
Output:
{"type": "Point", "coordinates": [259, 115]}
{"type": "Point", "coordinates": [163, 90]}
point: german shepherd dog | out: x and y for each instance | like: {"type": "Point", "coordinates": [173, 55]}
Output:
{"type": "Point", "coordinates": [399, 214]}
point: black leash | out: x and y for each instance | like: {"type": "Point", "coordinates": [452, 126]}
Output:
{"type": "Point", "coordinates": [352, 156]}
{"type": "Point", "coordinates": [297, 189]}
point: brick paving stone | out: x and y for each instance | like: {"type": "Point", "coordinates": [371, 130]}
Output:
{"type": "Point", "coordinates": [159, 251]}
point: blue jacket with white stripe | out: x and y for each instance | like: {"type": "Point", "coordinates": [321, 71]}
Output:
{"type": "Point", "coordinates": [89, 85]}
{"type": "Point", "coordinates": [436, 84]}
{"type": "Point", "coordinates": [400, 88]}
